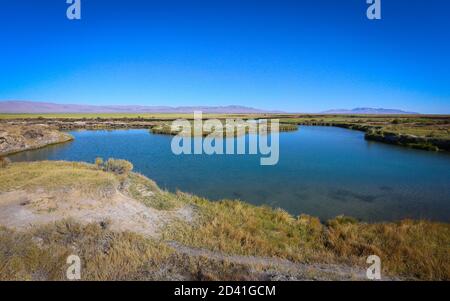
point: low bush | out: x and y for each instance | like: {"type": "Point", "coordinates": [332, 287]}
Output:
{"type": "Point", "coordinates": [120, 167]}
{"type": "Point", "coordinates": [4, 162]}
{"type": "Point", "coordinates": [117, 166]}
{"type": "Point", "coordinates": [99, 163]}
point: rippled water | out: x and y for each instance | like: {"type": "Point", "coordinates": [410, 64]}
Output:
{"type": "Point", "coordinates": [323, 171]}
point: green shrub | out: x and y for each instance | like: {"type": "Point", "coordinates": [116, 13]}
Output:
{"type": "Point", "coordinates": [120, 167]}
{"type": "Point", "coordinates": [117, 166]}
{"type": "Point", "coordinates": [99, 163]}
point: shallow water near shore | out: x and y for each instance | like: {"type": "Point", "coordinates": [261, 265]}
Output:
{"type": "Point", "coordinates": [322, 171]}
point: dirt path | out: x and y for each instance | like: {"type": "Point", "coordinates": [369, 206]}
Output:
{"type": "Point", "coordinates": [277, 269]}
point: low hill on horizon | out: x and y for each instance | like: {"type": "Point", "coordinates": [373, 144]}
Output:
{"type": "Point", "coordinates": [375, 111]}
{"type": "Point", "coordinates": [31, 107]}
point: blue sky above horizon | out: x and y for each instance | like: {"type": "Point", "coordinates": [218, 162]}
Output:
{"type": "Point", "coordinates": [299, 56]}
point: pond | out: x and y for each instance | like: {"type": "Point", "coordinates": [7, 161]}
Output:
{"type": "Point", "coordinates": [322, 171]}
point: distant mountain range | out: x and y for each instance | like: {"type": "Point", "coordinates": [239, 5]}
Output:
{"type": "Point", "coordinates": [376, 111]}
{"type": "Point", "coordinates": [43, 107]}
{"type": "Point", "coordinates": [17, 107]}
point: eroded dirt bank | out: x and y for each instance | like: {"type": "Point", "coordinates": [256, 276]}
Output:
{"type": "Point", "coordinates": [16, 138]}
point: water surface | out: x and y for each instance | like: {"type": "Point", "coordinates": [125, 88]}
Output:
{"type": "Point", "coordinates": [322, 171]}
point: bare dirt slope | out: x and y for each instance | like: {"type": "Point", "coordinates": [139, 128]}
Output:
{"type": "Point", "coordinates": [24, 210]}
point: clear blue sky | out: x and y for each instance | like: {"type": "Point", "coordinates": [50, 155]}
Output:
{"type": "Point", "coordinates": [303, 56]}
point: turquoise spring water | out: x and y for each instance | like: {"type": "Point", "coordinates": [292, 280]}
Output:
{"type": "Point", "coordinates": [322, 171]}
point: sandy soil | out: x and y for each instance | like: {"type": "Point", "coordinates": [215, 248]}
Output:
{"type": "Point", "coordinates": [22, 210]}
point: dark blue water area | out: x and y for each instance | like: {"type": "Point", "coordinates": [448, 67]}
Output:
{"type": "Point", "coordinates": [322, 171]}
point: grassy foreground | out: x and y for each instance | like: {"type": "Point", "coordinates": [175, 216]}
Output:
{"type": "Point", "coordinates": [409, 249]}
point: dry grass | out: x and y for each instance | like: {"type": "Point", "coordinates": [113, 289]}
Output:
{"type": "Point", "coordinates": [238, 228]}
{"type": "Point", "coordinates": [87, 180]}
{"type": "Point", "coordinates": [57, 176]}
{"type": "Point", "coordinates": [105, 255]}
{"type": "Point", "coordinates": [241, 128]}
{"type": "Point", "coordinates": [147, 192]}
{"type": "Point", "coordinates": [411, 249]}
{"type": "Point", "coordinates": [416, 249]}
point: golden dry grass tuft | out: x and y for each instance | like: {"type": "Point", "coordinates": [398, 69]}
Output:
{"type": "Point", "coordinates": [57, 176]}
{"type": "Point", "coordinates": [106, 255]}
{"type": "Point", "coordinates": [238, 228]}
{"type": "Point", "coordinates": [416, 249]}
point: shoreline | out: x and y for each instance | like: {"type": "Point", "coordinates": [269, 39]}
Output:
{"type": "Point", "coordinates": [376, 134]}
{"type": "Point", "coordinates": [433, 132]}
